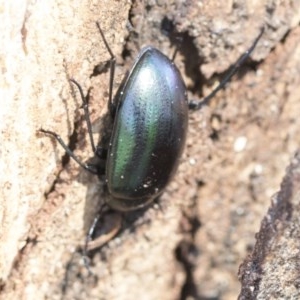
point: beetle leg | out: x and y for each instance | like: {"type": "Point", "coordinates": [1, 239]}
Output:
{"type": "Point", "coordinates": [234, 69]}
{"type": "Point", "coordinates": [111, 224]}
{"type": "Point", "coordinates": [180, 41]}
{"type": "Point", "coordinates": [92, 169]}
{"type": "Point", "coordinates": [89, 238]}
{"type": "Point", "coordinates": [101, 152]}
{"type": "Point", "coordinates": [85, 106]}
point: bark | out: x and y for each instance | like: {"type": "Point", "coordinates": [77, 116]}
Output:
{"type": "Point", "coordinates": [272, 270]}
{"type": "Point", "coordinates": [190, 243]}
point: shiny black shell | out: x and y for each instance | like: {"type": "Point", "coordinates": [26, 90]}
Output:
{"type": "Point", "coordinates": [149, 132]}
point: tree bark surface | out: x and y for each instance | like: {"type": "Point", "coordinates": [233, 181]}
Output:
{"type": "Point", "coordinates": [193, 240]}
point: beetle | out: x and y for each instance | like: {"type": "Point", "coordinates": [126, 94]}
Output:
{"type": "Point", "coordinates": [149, 130]}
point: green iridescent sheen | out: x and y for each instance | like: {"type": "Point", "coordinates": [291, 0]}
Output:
{"type": "Point", "coordinates": [149, 131]}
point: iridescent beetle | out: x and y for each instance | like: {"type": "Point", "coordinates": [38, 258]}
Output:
{"type": "Point", "coordinates": [149, 131]}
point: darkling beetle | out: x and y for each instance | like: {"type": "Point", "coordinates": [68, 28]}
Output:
{"type": "Point", "coordinates": [149, 131]}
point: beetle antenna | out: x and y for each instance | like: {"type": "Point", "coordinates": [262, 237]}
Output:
{"type": "Point", "coordinates": [234, 69]}
{"type": "Point", "coordinates": [112, 65]}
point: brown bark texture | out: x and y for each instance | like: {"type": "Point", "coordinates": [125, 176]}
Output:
{"type": "Point", "coordinates": [272, 270]}
{"type": "Point", "coordinates": [190, 243]}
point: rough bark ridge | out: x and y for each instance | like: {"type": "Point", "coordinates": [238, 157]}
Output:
{"type": "Point", "coordinates": [192, 243]}
{"type": "Point", "coordinates": [272, 270]}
